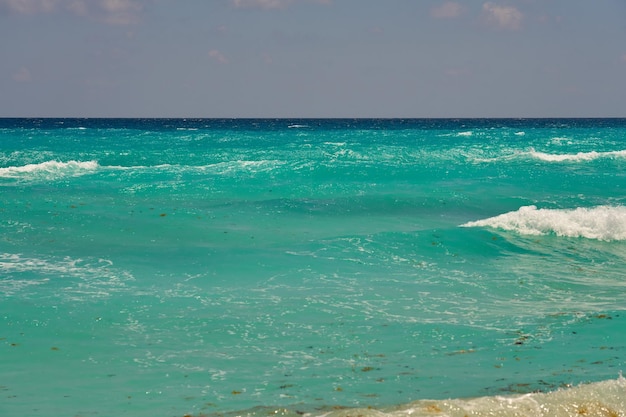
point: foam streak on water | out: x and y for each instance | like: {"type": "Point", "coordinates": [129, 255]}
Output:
{"type": "Point", "coordinates": [312, 267]}
{"type": "Point", "coordinates": [578, 157]}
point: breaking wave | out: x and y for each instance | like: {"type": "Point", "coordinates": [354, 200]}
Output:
{"type": "Point", "coordinates": [577, 157]}
{"type": "Point", "coordinates": [49, 170]}
{"type": "Point", "coordinates": [606, 223]}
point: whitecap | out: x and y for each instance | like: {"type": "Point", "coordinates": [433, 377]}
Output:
{"type": "Point", "coordinates": [49, 170]}
{"type": "Point", "coordinates": [577, 157]}
{"type": "Point", "coordinates": [239, 166]}
{"type": "Point", "coordinates": [606, 223]}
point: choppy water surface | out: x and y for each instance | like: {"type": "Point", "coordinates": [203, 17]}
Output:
{"type": "Point", "coordinates": [255, 267]}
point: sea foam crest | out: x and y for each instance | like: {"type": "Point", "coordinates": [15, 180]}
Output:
{"type": "Point", "coordinates": [49, 169]}
{"type": "Point", "coordinates": [602, 222]}
{"type": "Point", "coordinates": [577, 157]}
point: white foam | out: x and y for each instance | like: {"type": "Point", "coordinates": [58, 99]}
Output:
{"type": "Point", "coordinates": [598, 399]}
{"type": "Point", "coordinates": [49, 169]}
{"type": "Point", "coordinates": [141, 167]}
{"type": "Point", "coordinates": [602, 222]}
{"type": "Point", "coordinates": [238, 166]}
{"type": "Point", "coordinates": [560, 140]}
{"type": "Point", "coordinates": [77, 279]}
{"type": "Point", "coordinates": [606, 398]}
{"type": "Point", "coordinates": [52, 170]}
{"type": "Point", "coordinates": [577, 157]}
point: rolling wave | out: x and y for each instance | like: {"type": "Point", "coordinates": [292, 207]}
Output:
{"type": "Point", "coordinates": [577, 157]}
{"type": "Point", "coordinates": [606, 223]}
{"type": "Point", "coordinates": [54, 170]}
{"type": "Point", "coordinates": [49, 170]}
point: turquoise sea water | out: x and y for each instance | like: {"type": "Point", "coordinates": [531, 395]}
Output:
{"type": "Point", "coordinates": [352, 267]}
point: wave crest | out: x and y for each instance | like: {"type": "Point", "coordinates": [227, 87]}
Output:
{"type": "Point", "coordinates": [577, 157]}
{"type": "Point", "coordinates": [602, 222]}
{"type": "Point", "coordinates": [49, 170]}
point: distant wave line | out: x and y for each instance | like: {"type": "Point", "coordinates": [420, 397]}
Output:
{"type": "Point", "coordinates": [580, 156]}
{"type": "Point", "coordinates": [80, 167]}
{"type": "Point", "coordinates": [223, 165]}
{"type": "Point", "coordinates": [57, 167]}
{"type": "Point", "coordinates": [547, 157]}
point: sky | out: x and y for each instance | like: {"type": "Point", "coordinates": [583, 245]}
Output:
{"type": "Point", "coordinates": [312, 58]}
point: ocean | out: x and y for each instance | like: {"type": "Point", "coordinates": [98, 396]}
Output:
{"type": "Point", "coordinates": [316, 267]}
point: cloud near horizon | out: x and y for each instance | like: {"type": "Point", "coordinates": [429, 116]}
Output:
{"type": "Point", "coordinates": [114, 12]}
{"type": "Point", "coordinates": [447, 10]}
{"type": "Point", "coordinates": [271, 4]}
{"type": "Point", "coordinates": [503, 17]}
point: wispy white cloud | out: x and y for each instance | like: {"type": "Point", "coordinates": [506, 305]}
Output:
{"type": "Point", "coordinates": [115, 12]}
{"type": "Point", "coordinates": [261, 4]}
{"type": "Point", "coordinates": [29, 6]}
{"type": "Point", "coordinates": [271, 4]}
{"type": "Point", "coordinates": [120, 12]}
{"type": "Point", "coordinates": [218, 56]}
{"type": "Point", "coordinates": [77, 7]}
{"type": "Point", "coordinates": [503, 17]}
{"type": "Point", "coordinates": [447, 10]}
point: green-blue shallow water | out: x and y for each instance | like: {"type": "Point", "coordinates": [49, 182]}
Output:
{"type": "Point", "coordinates": [202, 267]}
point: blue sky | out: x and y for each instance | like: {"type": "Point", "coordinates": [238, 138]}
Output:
{"type": "Point", "coordinates": [313, 58]}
